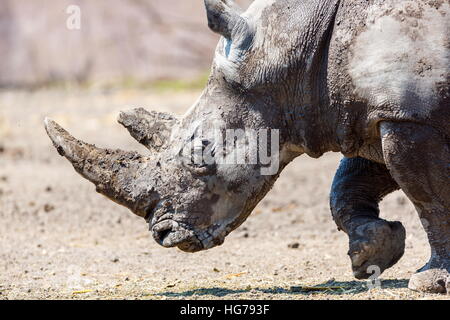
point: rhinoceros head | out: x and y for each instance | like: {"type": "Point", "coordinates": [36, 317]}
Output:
{"type": "Point", "coordinates": [207, 170]}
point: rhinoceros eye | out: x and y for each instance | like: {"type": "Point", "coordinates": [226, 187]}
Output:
{"type": "Point", "coordinates": [202, 159]}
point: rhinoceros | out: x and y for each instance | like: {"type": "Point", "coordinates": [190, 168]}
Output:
{"type": "Point", "coordinates": [366, 78]}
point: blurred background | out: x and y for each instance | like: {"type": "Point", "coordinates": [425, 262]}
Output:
{"type": "Point", "coordinates": [119, 42]}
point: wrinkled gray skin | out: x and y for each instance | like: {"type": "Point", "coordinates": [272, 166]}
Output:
{"type": "Point", "coordinates": [369, 79]}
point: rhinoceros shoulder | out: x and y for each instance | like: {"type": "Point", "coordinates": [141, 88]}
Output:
{"type": "Point", "coordinates": [390, 60]}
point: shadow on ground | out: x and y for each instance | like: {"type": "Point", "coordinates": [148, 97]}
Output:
{"type": "Point", "coordinates": [329, 287]}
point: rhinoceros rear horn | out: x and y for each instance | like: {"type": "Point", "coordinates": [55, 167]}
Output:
{"type": "Point", "coordinates": [223, 16]}
{"type": "Point", "coordinates": [116, 174]}
{"type": "Point", "coordinates": [152, 129]}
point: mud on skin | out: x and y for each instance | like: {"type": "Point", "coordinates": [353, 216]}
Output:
{"type": "Point", "coordinates": [327, 76]}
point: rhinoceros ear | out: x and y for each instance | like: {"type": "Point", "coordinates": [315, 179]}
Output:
{"type": "Point", "coordinates": [152, 129]}
{"type": "Point", "coordinates": [223, 16]}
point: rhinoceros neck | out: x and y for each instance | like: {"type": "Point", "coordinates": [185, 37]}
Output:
{"type": "Point", "coordinates": [307, 109]}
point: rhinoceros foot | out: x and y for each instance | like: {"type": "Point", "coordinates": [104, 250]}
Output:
{"type": "Point", "coordinates": [378, 243]}
{"type": "Point", "coordinates": [434, 277]}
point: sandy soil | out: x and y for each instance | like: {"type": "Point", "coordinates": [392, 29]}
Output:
{"type": "Point", "coordinates": [59, 239]}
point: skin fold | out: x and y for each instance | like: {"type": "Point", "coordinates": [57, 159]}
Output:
{"type": "Point", "coordinates": [366, 78]}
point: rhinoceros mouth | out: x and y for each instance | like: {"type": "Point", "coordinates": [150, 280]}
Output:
{"type": "Point", "coordinates": [170, 233]}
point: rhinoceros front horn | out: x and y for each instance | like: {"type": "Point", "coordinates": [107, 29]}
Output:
{"type": "Point", "coordinates": [124, 177]}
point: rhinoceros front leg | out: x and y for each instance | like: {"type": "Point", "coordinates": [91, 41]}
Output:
{"type": "Point", "coordinates": [418, 158]}
{"type": "Point", "coordinates": [358, 187]}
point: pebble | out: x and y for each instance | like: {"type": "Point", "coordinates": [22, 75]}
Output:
{"type": "Point", "coordinates": [48, 207]}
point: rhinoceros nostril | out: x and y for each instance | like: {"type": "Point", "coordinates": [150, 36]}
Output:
{"type": "Point", "coordinates": [163, 234]}
{"type": "Point", "coordinates": [161, 230]}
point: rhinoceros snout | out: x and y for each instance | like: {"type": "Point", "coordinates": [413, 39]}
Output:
{"type": "Point", "coordinates": [169, 234]}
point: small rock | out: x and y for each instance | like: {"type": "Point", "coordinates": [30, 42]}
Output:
{"type": "Point", "coordinates": [294, 245]}
{"type": "Point", "coordinates": [48, 207]}
{"type": "Point", "coordinates": [115, 260]}
{"type": "Point", "coordinates": [216, 270]}
{"type": "Point", "coordinates": [48, 189]}
{"type": "Point", "coordinates": [401, 201]}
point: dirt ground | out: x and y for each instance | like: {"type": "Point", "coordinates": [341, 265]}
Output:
{"type": "Point", "coordinates": [59, 239]}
